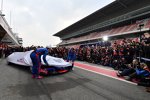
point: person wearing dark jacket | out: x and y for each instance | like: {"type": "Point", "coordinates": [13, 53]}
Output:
{"type": "Point", "coordinates": [71, 56]}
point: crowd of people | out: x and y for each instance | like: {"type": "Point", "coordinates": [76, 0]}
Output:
{"type": "Point", "coordinates": [5, 50]}
{"type": "Point", "coordinates": [130, 58]}
{"type": "Point", "coordinates": [122, 56]}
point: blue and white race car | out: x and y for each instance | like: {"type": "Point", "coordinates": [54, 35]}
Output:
{"type": "Point", "coordinates": [56, 65]}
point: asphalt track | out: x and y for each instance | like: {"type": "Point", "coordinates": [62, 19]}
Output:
{"type": "Point", "coordinates": [16, 84]}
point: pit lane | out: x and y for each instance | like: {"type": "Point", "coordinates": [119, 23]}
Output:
{"type": "Point", "coordinates": [16, 84]}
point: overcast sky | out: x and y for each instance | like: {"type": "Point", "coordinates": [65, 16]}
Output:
{"type": "Point", "coordinates": [37, 20]}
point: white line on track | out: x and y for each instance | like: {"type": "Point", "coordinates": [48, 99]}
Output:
{"type": "Point", "coordinates": [107, 76]}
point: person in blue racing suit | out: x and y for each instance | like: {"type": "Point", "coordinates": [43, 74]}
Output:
{"type": "Point", "coordinates": [36, 60]}
{"type": "Point", "coordinates": [71, 56]}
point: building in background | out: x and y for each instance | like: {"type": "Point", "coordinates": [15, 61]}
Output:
{"type": "Point", "coordinates": [118, 20]}
{"type": "Point", "coordinates": [7, 37]}
{"type": "Point", "coordinates": [20, 41]}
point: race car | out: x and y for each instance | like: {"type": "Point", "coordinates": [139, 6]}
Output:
{"type": "Point", "coordinates": [55, 65]}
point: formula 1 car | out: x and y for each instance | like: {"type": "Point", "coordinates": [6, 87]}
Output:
{"type": "Point", "coordinates": [56, 65]}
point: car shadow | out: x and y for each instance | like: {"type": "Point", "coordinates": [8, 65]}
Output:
{"type": "Point", "coordinates": [20, 67]}
{"type": "Point", "coordinates": [26, 69]}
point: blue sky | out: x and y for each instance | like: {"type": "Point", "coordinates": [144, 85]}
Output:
{"type": "Point", "coordinates": [37, 20]}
